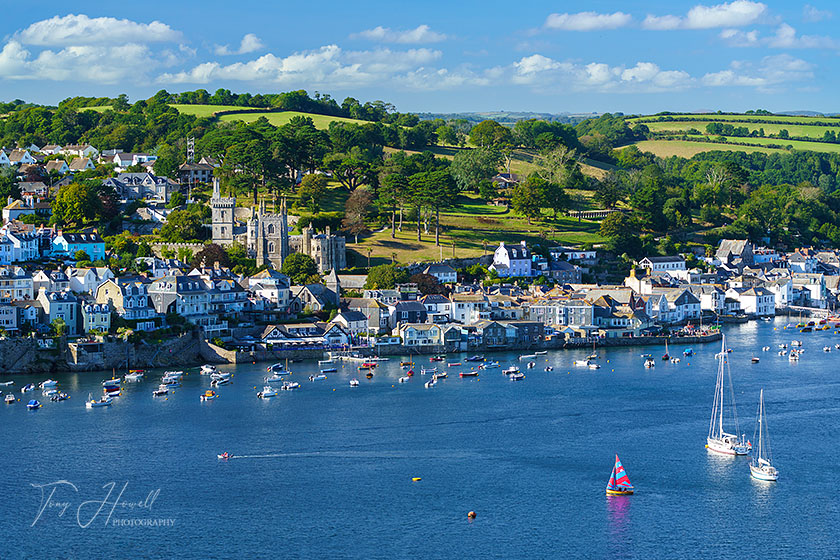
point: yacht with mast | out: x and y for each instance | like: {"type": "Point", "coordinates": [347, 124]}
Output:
{"type": "Point", "coordinates": [720, 441]}
{"type": "Point", "coordinates": [761, 466]}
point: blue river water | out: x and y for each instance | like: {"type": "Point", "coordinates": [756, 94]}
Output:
{"type": "Point", "coordinates": [326, 471]}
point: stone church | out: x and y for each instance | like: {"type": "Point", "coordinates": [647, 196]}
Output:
{"type": "Point", "coordinates": [266, 235]}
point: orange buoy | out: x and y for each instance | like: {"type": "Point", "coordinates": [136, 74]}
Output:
{"type": "Point", "coordinates": [471, 515]}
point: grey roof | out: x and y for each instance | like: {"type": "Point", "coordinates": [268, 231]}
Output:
{"type": "Point", "coordinates": [439, 269]}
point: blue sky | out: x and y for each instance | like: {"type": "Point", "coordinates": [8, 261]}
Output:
{"type": "Point", "coordinates": [435, 56]}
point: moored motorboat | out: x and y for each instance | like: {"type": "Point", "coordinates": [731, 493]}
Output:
{"type": "Point", "coordinates": [218, 382]}
{"type": "Point", "coordinates": [437, 358]}
{"type": "Point", "coordinates": [33, 405]}
{"type": "Point", "coordinates": [28, 387]}
{"type": "Point", "coordinates": [518, 376]}
{"type": "Point", "coordinates": [430, 383]}
{"type": "Point", "coordinates": [453, 364]}
{"type": "Point", "coordinates": [290, 385]}
{"type": "Point", "coordinates": [276, 368]}
{"type": "Point", "coordinates": [160, 391]}
{"type": "Point", "coordinates": [9, 399]}
{"type": "Point", "coordinates": [267, 392]}
{"type": "Point", "coordinates": [441, 375]}
{"type": "Point", "coordinates": [317, 377]}
{"type": "Point", "coordinates": [688, 352]}
{"type": "Point", "coordinates": [531, 365]}
{"type": "Point", "coordinates": [406, 364]}
{"type": "Point", "coordinates": [135, 375]}
{"type": "Point", "coordinates": [755, 360]}
{"type": "Point", "coordinates": [491, 365]}
{"type": "Point", "coordinates": [424, 371]}
{"type": "Point", "coordinates": [471, 373]}
{"type": "Point", "coordinates": [404, 379]}
{"type": "Point", "coordinates": [57, 397]}
{"type": "Point", "coordinates": [511, 370]}
{"type": "Point", "coordinates": [7, 383]}
{"type": "Point", "coordinates": [329, 370]}
{"type": "Point", "coordinates": [114, 382]}
{"type": "Point", "coordinates": [549, 368]}
{"type": "Point", "coordinates": [582, 363]}
{"type": "Point", "coordinates": [49, 383]}
{"type": "Point", "coordinates": [474, 359]}
{"type": "Point", "coordinates": [224, 455]}
{"type": "Point", "coordinates": [207, 369]}
{"type": "Point", "coordinates": [594, 366]}
{"type": "Point", "coordinates": [94, 403]}
{"type": "Point", "coordinates": [274, 378]}
{"type": "Point", "coordinates": [354, 382]}
{"type": "Point", "coordinates": [541, 352]}
{"type": "Point", "coordinates": [208, 395]}
{"type": "Point", "coordinates": [650, 363]}
{"type": "Point", "coordinates": [527, 356]}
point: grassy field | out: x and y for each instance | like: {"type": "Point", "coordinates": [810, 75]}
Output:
{"type": "Point", "coordinates": [713, 117]}
{"type": "Point", "coordinates": [279, 119]}
{"type": "Point", "coordinates": [208, 110]}
{"type": "Point", "coordinates": [796, 144]}
{"type": "Point", "coordinates": [681, 148]}
{"type": "Point", "coordinates": [793, 129]}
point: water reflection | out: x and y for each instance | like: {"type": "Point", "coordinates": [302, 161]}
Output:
{"type": "Point", "coordinates": [619, 525]}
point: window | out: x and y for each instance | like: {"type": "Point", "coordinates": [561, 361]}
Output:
{"type": "Point", "coordinates": [270, 229]}
{"type": "Point", "coordinates": [271, 247]}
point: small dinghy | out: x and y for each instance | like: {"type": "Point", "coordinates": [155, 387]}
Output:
{"type": "Point", "coordinates": [267, 392]}
{"type": "Point", "coordinates": [209, 396]}
{"type": "Point", "coordinates": [33, 405]}
{"type": "Point", "coordinates": [354, 382]}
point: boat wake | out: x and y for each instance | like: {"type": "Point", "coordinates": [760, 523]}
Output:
{"type": "Point", "coordinates": [360, 455]}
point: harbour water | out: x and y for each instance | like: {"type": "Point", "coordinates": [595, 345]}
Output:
{"type": "Point", "coordinates": [326, 471]}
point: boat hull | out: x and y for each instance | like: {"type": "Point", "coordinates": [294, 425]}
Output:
{"type": "Point", "coordinates": [761, 474]}
{"type": "Point", "coordinates": [725, 448]}
{"type": "Point", "coordinates": [620, 492]}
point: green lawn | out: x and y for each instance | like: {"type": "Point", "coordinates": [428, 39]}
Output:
{"type": "Point", "coordinates": [208, 110]}
{"type": "Point", "coordinates": [686, 149]}
{"type": "Point", "coordinates": [794, 129]}
{"type": "Point", "coordinates": [97, 108]}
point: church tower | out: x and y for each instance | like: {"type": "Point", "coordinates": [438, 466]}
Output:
{"type": "Point", "coordinates": [222, 210]}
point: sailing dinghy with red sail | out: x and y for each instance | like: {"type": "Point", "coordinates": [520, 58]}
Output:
{"type": "Point", "coordinates": [619, 484]}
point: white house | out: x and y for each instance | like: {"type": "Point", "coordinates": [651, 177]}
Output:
{"type": "Point", "coordinates": [800, 262]}
{"type": "Point", "coordinates": [354, 322]}
{"type": "Point", "coordinates": [572, 254]}
{"type": "Point", "coordinates": [17, 246]}
{"type": "Point", "coordinates": [422, 334]}
{"type": "Point", "coordinates": [81, 150]}
{"type": "Point", "coordinates": [438, 307]}
{"type": "Point", "coordinates": [87, 280]}
{"type": "Point", "coordinates": [444, 273]}
{"type": "Point", "coordinates": [782, 289]}
{"type": "Point", "coordinates": [512, 261]}
{"type": "Point", "coordinates": [663, 264]}
{"type": "Point", "coordinates": [813, 285]}
{"type": "Point", "coordinates": [756, 301]}
{"type": "Point", "coordinates": [21, 157]}
{"type": "Point", "coordinates": [469, 308]}
{"type": "Point", "coordinates": [4, 159]}
{"type": "Point", "coordinates": [81, 164]}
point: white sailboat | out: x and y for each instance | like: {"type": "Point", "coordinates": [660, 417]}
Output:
{"type": "Point", "coordinates": [761, 466]}
{"type": "Point", "coordinates": [719, 441]}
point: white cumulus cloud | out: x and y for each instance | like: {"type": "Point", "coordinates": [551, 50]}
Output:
{"type": "Point", "coordinates": [729, 14]}
{"type": "Point", "coordinates": [83, 30]}
{"type": "Point", "coordinates": [420, 34]}
{"type": "Point", "coordinates": [587, 21]}
{"type": "Point", "coordinates": [250, 43]}
{"type": "Point", "coordinates": [812, 14]}
{"type": "Point", "coordinates": [784, 38]}
{"type": "Point", "coordinates": [772, 73]}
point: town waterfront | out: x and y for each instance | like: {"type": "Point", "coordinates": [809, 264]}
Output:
{"type": "Point", "coordinates": [326, 471]}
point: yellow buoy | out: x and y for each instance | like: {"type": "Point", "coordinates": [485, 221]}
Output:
{"type": "Point", "coordinates": [471, 515]}
{"type": "Point", "coordinates": [416, 479]}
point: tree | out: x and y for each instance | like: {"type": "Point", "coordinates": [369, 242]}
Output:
{"type": "Point", "coordinates": [619, 230]}
{"type": "Point", "coordinates": [211, 254]}
{"type": "Point", "coordinates": [177, 199]}
{"type": "Point", "coordinates": [182, 226]}
{"type": "Point", "coordinates": [556, 165]}
{"type": "Point", "coordinates": [392, 193]}
{"type": "Point", "coordinates": [299, 267]}
{"type": "Point", "coordinates": [490, 133]}
{"type": "Point", "coordinates": [609, 191]}
{"type": "Point", "coordinates": [351, 169]}
{"type": "Point", "coordinates": [356, 209]}
{"type": "Point", "coordinates": [77, 204]}
{"type": "Point", "coordinates": [385, 277]}
{"type": "Point", "coordinates": [427, 284]}
{"type": "Point", "coordinates": [470, 167]}
{"type": "Point", "coordinates": [58, 327]}
{"type": "Point", "coordinates": [527, 199]}
{"type": "Point", "coordinates": [81, 256]}
{"type": "Point", "coordinates": [313, 189]}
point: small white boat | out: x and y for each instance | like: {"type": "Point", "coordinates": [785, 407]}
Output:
{"type": "Point", "coordinates": [541, 352]}
{"type": "Point", "coordinates": [517, 376]}
{"type": "Point", "coordinates": [276, 368]}
{"type": "Point", "coordinates": [531, 365]}
{"type": "Point", "coordinates": [441, 375]}
{"type": "Point", "coordinates": [221, 381]}
{"type": "Point", "coordinates": [650, 363]}
{"type": "Point", "coordinates": [219, 375]}
{"type": "Point", "coordinates": [675, 360]}
{"type": "Point", "coordinates": [92, 403]}
{"type": "Point", "coordinates": [765, 348]}
{"type": "Point", "coordinates": [267, 392]}
{"type": "Point", "coordinates": [33, 405]}
{"type": "Point", "coordinates": [511, 370]}
{"type": "Point", "coordinates": [207, 369]}
{"type": "Point", "coordinates": [783, 346]}
{"type": "Point", "coordinates": [9, 399]}
{"type": "Point", "coordinates": [354, 382]}
{"type": "Point", "coordinates": [179, 374]}
{"type": "Point", "coordinates": [49, 383]}
{"type": "Point", "coordinates": [405, 379]}
{"type": "Point", "coordinates": [424, 371]}
{"type": "Point", "coordinates": [322, 362]}
{"type": "Point", "coordinates": [430, 383]}
{"type": "Point", "coordinates": [549, 368]}
{"type": "Point", "coordinates": [290, 385]}
{"type": "Point", "coordinates": [160, 391]}
{"type": "Point", "coordinates": [7, 383]}
{"type": "Point", "coordinates": [275, 378]}
{"type": "Point", "coordinates": [491, 365]}
{"type": "Point", "coordinates": [793, 357]}
{"type": "Point", "coordinates": [48, 392]}
{"type": "Point", "coordinates": [837, 346]}
{"type": "Point", "coordinates": [108, 383]}
{"type": "Point", "coordinates": [134, 376]}
{"type": "Point", "coordinates": [755, 360]}
{"type": "Point", "coordinates": [782, 352]}
{"type": "Point", "coordinates": [28, 387]}
{"type": "Point", "coordinates": [594, 366]}
{"type": "Point", "coordinates": [317, 377]}
{"type": "Point", "coordinates": [527, 356]}
{"type": "Point", "coordinates": [826, 348]}
{"type": "Point", "coordinates": [224, 455]}
{"type": "Point", "coordinates": [761, 466]}
{"type": "Point", "coordinates": [796, 343]}
{"type": "Point", "coordinates": [208, 396]}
